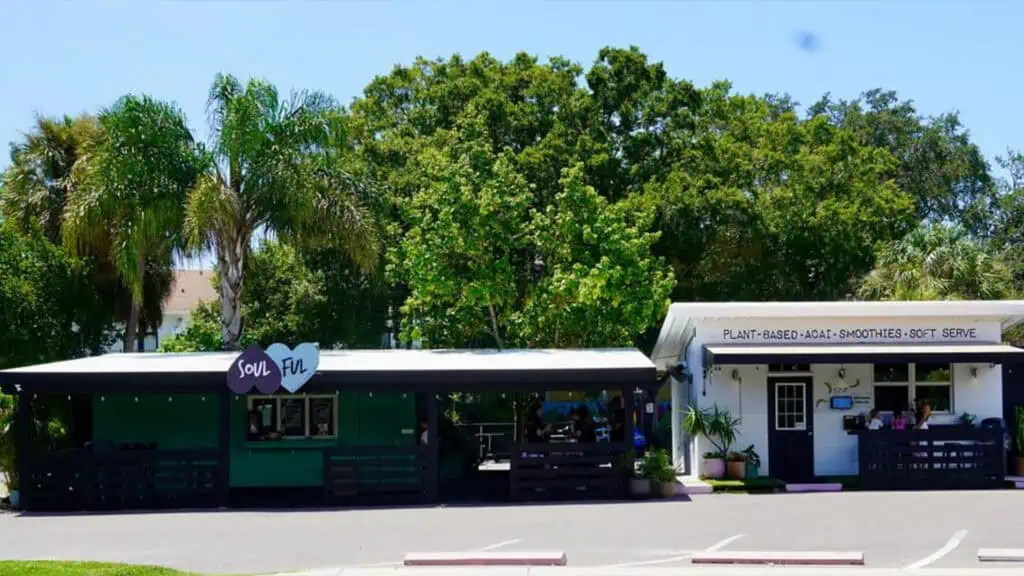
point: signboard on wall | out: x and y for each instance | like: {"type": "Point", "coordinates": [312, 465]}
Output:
{"type": "Point", "coordinates": [278, 367]}
{"type": "Point", "coordinates": [845, 334]}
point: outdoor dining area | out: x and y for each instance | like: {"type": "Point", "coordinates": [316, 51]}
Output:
{"type": "Point", "coordinates": [954, 456]}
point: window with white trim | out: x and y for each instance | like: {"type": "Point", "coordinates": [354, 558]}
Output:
{"type": "Point", "coordinates": [896, 386]}
{"type": "Point", "coordinates": [291, 417]}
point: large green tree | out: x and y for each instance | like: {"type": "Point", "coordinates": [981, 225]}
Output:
{"type": "Point", "coordinates": [937, 164]}
{"type": "Point", "coordinates": [276, 167]}
{"type": "Point", "coordinates": [753, 200]}
{"type": "Point", "coordinates": [51, 310]}
{"type": "Point", "coordinates": [130, 191]}
{"type": "Point", "coordinates": [490, 262]}
{"type": "Point", "coordinates": [763, 205]}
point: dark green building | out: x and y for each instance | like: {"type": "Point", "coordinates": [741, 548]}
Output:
{"type": "Point", "coordinates": [164, 430]}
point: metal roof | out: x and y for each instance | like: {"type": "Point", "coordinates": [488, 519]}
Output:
{"type": "Point", "coordinates": [368, 370]}
{"type": "Point", "coordinates": [358, 361]}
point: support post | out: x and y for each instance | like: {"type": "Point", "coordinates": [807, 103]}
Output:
{"type": "Point", "coordinates": [433, 448]}
{"type": "Point", "coordinates": [629, 426]}
{"type": "Point", "coordinates": [224, 449]}
{"type": "Point", "coordinates": [24, 448]}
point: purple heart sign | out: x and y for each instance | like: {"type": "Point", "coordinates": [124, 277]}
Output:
{"type": "Point", "coordinates": [253, 368]}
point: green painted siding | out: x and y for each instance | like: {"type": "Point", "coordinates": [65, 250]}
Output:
{"type": "Point", "coordinates": [363, 419]}
{"type": "Point", "coordinates": [189, 422]}
{"type": "Point", "coordinates": [179, 422]}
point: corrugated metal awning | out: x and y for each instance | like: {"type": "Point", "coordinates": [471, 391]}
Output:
{"type": "Point", "coordinates": [859, 353]}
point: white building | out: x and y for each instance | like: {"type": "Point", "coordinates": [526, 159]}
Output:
{"type": "Point", "coordinates": [792, 371]}
{"type": "Point", "coordinates": [189, 288]}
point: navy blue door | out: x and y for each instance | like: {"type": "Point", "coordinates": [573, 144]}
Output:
{"type": "Point", "coordinates": [791, 428]}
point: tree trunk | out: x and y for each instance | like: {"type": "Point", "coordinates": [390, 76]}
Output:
{"type": "Point", "coordinates": [132, 328]}
{"type": "Point", "coordinates": [230, 263]}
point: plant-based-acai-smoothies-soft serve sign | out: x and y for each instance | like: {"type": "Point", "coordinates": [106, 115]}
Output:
{"type": "Point", "coordinates": [278, 367]}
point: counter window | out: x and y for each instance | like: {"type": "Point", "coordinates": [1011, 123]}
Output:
{"type": "Point", "coordinates": [292, 417]}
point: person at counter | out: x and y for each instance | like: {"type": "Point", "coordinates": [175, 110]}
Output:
{"type": "Point", "coordinates": [584, 429]}
{"type": "Point", "coordinates": [537, 430]}
{"type": "Point", "coordinates": [923, 415]}
{"type": "Point", "coordinates": [618, 421]}
{"type": "Point", "coordinates": [875, 421]}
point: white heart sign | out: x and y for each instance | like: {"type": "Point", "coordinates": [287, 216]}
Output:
{"type": "Point", "coordinates": [297, 366]}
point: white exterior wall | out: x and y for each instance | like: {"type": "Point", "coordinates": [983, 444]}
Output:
{"type": "Point", "coordinates": [835, 451]}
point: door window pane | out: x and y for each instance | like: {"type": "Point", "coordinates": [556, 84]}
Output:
{"type": "Point", "coordinates": [790, 409]}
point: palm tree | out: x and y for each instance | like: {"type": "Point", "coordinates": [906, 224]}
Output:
{"type": "Point", "coordinates": [274, 168]}
{"type": "Point", "coordinates": [36, 185]}
{"type": "Point", "coordinates": [936, 262]}
{"type": "Point", "coordinates": [34, 192]}
{"type": "Point", "coordinates": [131, 185]}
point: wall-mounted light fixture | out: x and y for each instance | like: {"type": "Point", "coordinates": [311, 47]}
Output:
{"type": "Point", "coordinates": [973, 371]}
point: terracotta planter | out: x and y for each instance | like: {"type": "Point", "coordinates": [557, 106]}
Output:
{"type": "Point", "coordinates": [714, 468]}
{"type": "Point", "coordinates": [664, 489]}
{"type": "Point", "coordinates": [736, 470]}
{"type": "Point", "coordinates": [1019, 461]}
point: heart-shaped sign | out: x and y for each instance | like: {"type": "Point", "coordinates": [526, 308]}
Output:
{"type": "Point", "coordinates": [254, 368]}
{"type": "Point", "coordinates": [296, 366]}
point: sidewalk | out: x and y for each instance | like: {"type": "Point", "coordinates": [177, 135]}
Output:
{"type": "Point", "coordinates": [660, 571]}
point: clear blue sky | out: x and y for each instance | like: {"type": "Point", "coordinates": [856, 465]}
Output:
{"type": "Point", "coordinates": [69, 57]}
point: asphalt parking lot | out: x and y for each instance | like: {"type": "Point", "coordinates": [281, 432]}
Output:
{"type": "Point", "coordinates": [922, 530]}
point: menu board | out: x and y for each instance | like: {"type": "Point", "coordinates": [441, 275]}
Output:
{"type": "Point", "coordinates": [321, 417]}
{"type": "Point", "coordinates": [293, 417]}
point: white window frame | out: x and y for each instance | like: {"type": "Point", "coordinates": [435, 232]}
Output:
{"type": "Point", "coordinates": [306, 400]}
{"type": "Point", "coordinates": [912, 385]}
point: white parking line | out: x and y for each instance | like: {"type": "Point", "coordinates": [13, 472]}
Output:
{"type": "Point", "coordinates": [501, 544]}
{"type": "Point", "coordinates": [713, 548]}
{"type": "Point", "coordinates": [949, 547]}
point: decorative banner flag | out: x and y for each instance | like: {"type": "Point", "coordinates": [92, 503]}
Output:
{"type": "Point", "coordinates": [278, 367]}
{"type": "Point", "coordinates": [254, 369]}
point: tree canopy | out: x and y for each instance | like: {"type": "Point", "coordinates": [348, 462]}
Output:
{"type": "Point", "coordinates": [527, 202]}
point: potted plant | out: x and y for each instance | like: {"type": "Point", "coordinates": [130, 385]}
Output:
{"type": "Point", "coordinates": [657, 468]}
{"type": "Point", "coordinates": [736, 465]}
{"type": "Point", "coordinates": [1019, 437]}
{"type": "Point", "coordinates": [753, 462]}
{"type": "Point", "coordinates": [967, 420]}
{"type": "Point", "coordinates": [639, 483]}
{"type": "Point", "coordinates": [720, 428]}
{"type": "Point", "coordinates": [9, 455]}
